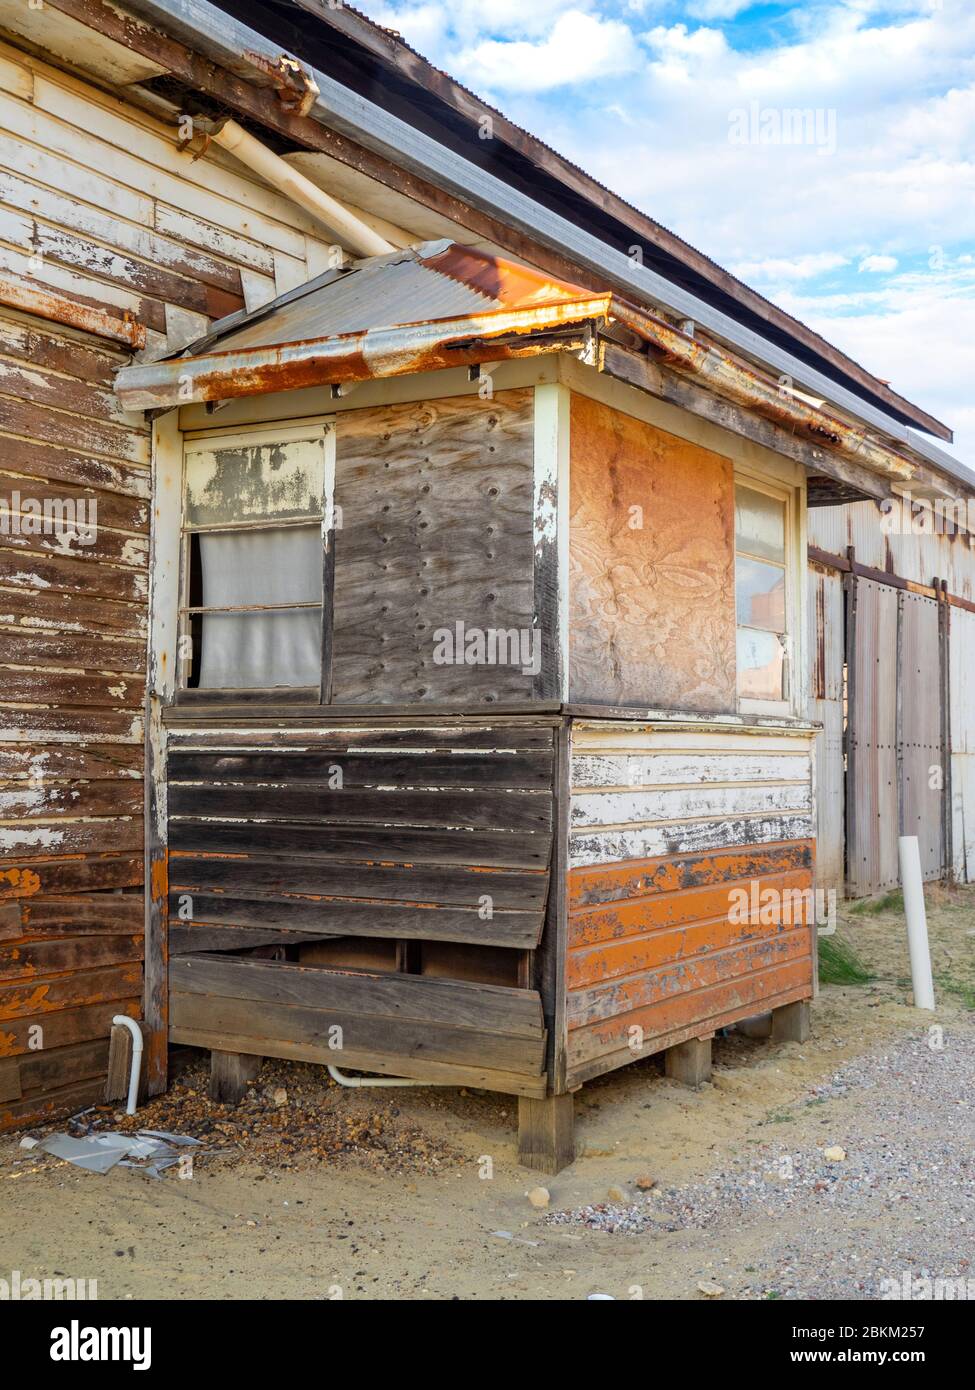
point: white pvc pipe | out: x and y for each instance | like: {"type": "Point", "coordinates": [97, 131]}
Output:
{"type": "Point", "coordinates": [344, 1079]}
{"type": "Point", "coordinates": [124, 1021]}
{"type": "Point", "coordinates": [350, 230]}
{"type": "Point", "coordinates": [917, 922]}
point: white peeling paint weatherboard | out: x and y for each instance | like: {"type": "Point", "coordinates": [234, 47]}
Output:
{"type": "Point", "coordinates": [551, 512]}
{"type": "Point", "coordinates": [625, 805]}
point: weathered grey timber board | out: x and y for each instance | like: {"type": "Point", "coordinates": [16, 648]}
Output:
{"type": "Point", "coordinates": [424, 840]}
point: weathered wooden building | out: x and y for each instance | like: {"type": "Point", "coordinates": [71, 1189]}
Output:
{"type": "Point", "coordinates": [516, 606]}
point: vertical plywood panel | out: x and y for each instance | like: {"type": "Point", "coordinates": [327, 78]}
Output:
{"type": "Point", "coordinates": [651, 566]}
{"type": "Point", "coordinates": [435, 501]}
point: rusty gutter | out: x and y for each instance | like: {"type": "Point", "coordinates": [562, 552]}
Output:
{"type": "Point", "coordinates": [371, 353]}
{"type": "Point", "coordinates": [729, 376]}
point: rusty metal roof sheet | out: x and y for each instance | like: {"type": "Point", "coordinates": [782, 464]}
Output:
{"type": "Point", "coordinates": [437, 280]}
{"type": "Point", "coordinates": [438, 304]}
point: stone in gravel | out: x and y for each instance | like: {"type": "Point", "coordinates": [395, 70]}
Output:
{"type": "Point", "coordinates": [709, 1289]}
{"type": "Point", "coordinates": [834, 1154]}
{"type": "Point", "coordinates": [539, 1197]}
{"type": "Point", "coordinates": [615, 1194]}
{"type": "Point", "coordinates": [280, 1096]}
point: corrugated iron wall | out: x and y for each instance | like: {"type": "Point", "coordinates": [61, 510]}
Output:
{"type": "Point", "coordinates": [962, 686]}
{"type": "Point", "coordinates": [911, 724]}
{"type": "Point", "coordinates": [917, 558]}
{"type": "Point", "coordinates": [99, 206]}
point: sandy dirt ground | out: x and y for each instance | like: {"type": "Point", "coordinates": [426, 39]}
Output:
{"type": "Point", "coordinates": [321, 1192]}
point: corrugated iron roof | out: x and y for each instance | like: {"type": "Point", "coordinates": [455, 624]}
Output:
{"type": "Point", "coordinates": [437, 280]}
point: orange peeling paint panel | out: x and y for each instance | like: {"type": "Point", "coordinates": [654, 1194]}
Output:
{"type": "Point", "coordinates": [651, 566]}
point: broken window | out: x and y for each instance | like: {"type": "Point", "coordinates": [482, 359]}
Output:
{"type": "Point", "coordinates": [251, 616]}
{"type": "Point", "coordinates": [761, 578]}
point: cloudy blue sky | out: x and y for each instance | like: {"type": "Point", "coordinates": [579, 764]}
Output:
{"type": "Point", "coordinates": [866, 232]}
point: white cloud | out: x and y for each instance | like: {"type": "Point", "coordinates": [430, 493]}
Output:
{"type": "Point", "coordinates": [899, 76]}
{"type": "Point", "coordinates": [878, 264]}
{"type": "Point", "coordinates": [718, 9]}
{"type": "Point", "coordinates": [797, 268]}
{"type": "Point", "coordinates": [579, 47]}
{"type": "Point", "coordinates": [918, 333]}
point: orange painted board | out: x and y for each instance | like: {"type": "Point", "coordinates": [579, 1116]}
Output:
{"type": "Point", "coordinates": [637, 917]}
{"type": "Point", "coordinates": [70, 991]}
{"type": "Point", "coordinates": [706, 1009]}
{"type": "Point", "coordinates": [632, 878]}
{"type": "Point", "coordinates": [648, 951]}
{"type": "Point", "coordinates": [685, 980]}
{"type": "Point", "coordinates": [580, 1071]}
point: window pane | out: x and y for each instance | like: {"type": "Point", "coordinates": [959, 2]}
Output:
{"type": "Point", "coordinates": [760, 594]}
{"type": "Point", "coordinates": [261, 650]}
{"type": "Point", "coordinates": [759, 524]}
{"type": "Point", "coordinates": [280, 565]}
{"type": "Point", "coordinates": [761, 666]}
{"type": "Point", "coordinates": [256, 482]}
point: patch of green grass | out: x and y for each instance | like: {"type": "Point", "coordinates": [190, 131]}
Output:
{"type": "Point", "coordinates": [889, 902]}
{"type": "Point", "coordinates": [966, 993]}
{"type": "Point", "coordinates": [839, 964]}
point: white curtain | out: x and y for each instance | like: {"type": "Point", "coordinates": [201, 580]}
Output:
{"type": "Point", "coordinates": [261, 650]}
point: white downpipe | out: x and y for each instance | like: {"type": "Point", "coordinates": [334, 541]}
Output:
{"type": "Point", "coordinates": [344, 1079]}
{"type": "Point", "coordinates": [917, 922]}
{"type": "Point", "coordinates": [123, 1021]}
{"type": "Point", "coordinates": [350, 230]}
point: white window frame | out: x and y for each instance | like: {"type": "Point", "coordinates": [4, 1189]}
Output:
{"type": "Point", "coordinates": [793, 495]}
{"type": "Point", "coordinates": [200, 441]}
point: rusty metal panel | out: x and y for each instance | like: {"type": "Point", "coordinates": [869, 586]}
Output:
{"type": "Point", "coordinates": [910, 552]}
{"type": "Point", "coordinates": [962, 659]}
{"type": "Point", "coordinates": [872, 739]}
{"type": "Point", "coordinates": [920, 750]}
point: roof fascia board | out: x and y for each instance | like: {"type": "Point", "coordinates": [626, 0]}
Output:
{"type": "Point", "coordinates": [228, 42]}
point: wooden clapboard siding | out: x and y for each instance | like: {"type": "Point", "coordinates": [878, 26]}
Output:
{"type": "Point", "coordinates": [100, 205]}
{"type": "Point", "coordinates": [713, 919]}
{"type": "Point", "coordinates": [385, 835]}
{"type": "Point", "coordinates": [436, 506]}
{"type": "Point", "coordinates": [431, 1029]}
{"type": "Point", "coordinates": [651, 566]}
{"type": "Point", "coordinates": [623, 809]}
{"type": "Point", "coordinates": [365, 832]}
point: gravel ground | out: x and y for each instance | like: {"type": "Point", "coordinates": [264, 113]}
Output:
{"type": "Point", "coordinates": [896, 1194]}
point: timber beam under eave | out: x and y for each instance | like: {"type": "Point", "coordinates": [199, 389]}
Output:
{"type": "Point", "coordinates": [638, 370]}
